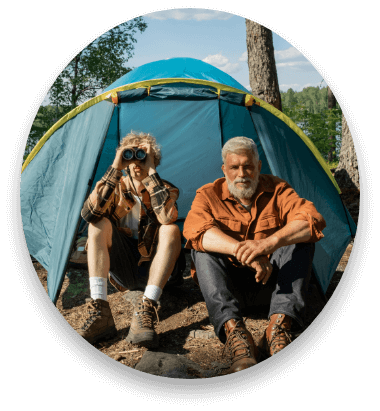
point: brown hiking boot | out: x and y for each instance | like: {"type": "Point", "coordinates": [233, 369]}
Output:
{"type": "Point", "coordinates": [277, 335]}
{"type": "Point", "coordinates": [239, 346]}
{"type": "Point", "coordinates": [99, 321]}
{"type": "Point", "coordinates": [142, 326]}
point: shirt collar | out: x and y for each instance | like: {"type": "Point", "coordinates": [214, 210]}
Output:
{"type": "Point", "coordinates": [128, 184]}
{"type": "Point", "coordinates": [265, 185]}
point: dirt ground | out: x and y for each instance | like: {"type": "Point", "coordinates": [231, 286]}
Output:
{"type": "Point", "coordinates": [182, 311]}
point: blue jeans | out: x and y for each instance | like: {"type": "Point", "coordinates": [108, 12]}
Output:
{"type": "Point", "coordinates": [229, 290]}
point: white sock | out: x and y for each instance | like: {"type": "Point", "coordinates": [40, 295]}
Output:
{"type": "Point", "coordinates": [98, 287]}
{"type": "Point", "coordinates": [153, 292]}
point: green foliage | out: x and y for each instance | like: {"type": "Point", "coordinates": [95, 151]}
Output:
{"type": "Point", "coordinates": [98, 65]}
{"type": "Point", "coordinates": [308, 109]}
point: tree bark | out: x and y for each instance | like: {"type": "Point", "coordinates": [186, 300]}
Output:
{"type": "Point", "coordinates": [261, 64]}
{"type": "Point", "coordinates": [347, 172]}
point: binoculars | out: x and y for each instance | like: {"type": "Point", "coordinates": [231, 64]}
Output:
{"type": "Point", "coordinates": [134, 152]}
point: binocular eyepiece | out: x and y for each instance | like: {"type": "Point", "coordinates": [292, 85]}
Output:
{"type": "Point", "coordinates": [134, 152]}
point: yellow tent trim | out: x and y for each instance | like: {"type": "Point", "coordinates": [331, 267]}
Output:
{"type": "Point", "coordinates": [110, 95]}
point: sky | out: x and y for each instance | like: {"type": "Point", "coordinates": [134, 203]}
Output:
{"type": "Point", "coordinates": [217, 38]}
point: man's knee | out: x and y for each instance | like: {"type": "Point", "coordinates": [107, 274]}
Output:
{"type": "Point", "coordinates": [170, 232]}
{"type": "Point", "coordinates": [101, 230]}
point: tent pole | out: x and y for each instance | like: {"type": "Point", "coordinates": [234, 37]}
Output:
{"type": "Point", "coordinates": [220, 125]}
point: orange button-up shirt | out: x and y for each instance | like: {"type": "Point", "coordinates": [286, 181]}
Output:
{"type": "Point", "coordinates": [275, 204]}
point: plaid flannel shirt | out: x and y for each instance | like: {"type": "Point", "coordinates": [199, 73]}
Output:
{"type": "Point", "coordinates": [112, 198]}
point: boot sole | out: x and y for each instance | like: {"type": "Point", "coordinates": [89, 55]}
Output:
{"type": "Point", "coordinates": [147, 340]}
{"type": "Point", "coordinates": [106, 335]}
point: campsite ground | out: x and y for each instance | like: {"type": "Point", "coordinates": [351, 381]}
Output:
{"type": "Point", "coordinates": [182, 311]}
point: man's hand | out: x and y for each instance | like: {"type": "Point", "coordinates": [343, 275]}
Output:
{"type": "Point", "coordinates": [263, 268]}
{"type": "Point", "coordinates": [119, 163]}
{"type": "Point", "coordinates": [247, 251]}
{"type": "Point", "coordinates": [149, 161]}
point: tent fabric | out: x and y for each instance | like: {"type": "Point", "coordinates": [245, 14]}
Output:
{"type": "Point", "coordinates": [180, 70]}
{"type": "Point", "coordinates": [293, 161]}
{"type": "Point", "coordinates": [191, 118]}
{"type": "Point", "coordinates": [53, 190]}
{"type": "Point", "coordinates": [191, 124]}
{"type": "Point", "coordinates": [183, 68]}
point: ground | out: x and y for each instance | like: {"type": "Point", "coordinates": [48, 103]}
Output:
{"type": "Point", "coordinates": [182, 312]}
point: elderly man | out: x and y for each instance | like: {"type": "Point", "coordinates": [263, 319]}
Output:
{"type": "Point", "coordinates": [252, 239]}
{"type": "Point", "coordinates": [131, 239]}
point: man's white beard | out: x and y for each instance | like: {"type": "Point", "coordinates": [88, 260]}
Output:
{"type": "Point", "coordinates": [246, 192]}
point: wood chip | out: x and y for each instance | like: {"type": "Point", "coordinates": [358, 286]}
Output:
{"type": "Point", "coordinates": [126, 352]}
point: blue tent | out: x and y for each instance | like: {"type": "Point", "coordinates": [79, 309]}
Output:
{"type": "Point", "coordinates": [192, 108]}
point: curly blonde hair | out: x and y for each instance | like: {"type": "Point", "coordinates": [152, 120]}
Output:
{"type": "Point", "coordinates": [133, 138]}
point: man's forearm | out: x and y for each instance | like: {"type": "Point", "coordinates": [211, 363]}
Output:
{"type": "Point", "coordinates": [297, 231]}
{"type": "Point", "coordinates": [216, 241]}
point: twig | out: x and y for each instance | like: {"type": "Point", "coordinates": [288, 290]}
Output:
{"type": "Point", "coordinates": [126, 352]}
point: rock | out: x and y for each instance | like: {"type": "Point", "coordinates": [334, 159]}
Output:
{"type": "Point", "coordinates": [172, 366]}
{"type": "Point", "coordinates": [202, 334]}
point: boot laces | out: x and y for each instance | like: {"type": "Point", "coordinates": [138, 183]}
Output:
{"type": "Point", "coordinates": [145, 313]}
{"type": "Point", "coordinates": [237, 341]}
{"type": "Point", "coordinates": [280, 338]}
{"type": "Point", "coordinates": [93, 311]}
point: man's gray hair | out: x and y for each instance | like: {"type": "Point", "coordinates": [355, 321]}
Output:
{"type": "Point", "coordinates": [238, 144]}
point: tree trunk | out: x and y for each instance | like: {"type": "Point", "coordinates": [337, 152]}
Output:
{"type": "Point", "coordinates": [331, 103]}
{"type": "Point", "coordinates": [261, 64]}
{"type": "Point", "coordinates": [74, 96]}
{"type": "Point", "coordinates": [347, 172]}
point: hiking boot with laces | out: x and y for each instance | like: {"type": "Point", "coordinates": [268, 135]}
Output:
{"type": "Point", "coordinates": [240, 346]}
{"type": "Point", "coordinates": [99, 322]}
{"type": "Point", "coordinates": [142, 326]}
{"type": "Point", "coordinates": [277, 335]}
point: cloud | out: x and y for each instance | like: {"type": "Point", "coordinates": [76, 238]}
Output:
{"type": "Point", "coordinates": [217, 60]}
{"type": "Point", "coordinates": [189, 14]}
{"type": "Point", "coordinates": [231, 68]}
{"type": "Point", "coordinates": [289, 53]}
{"type": "Point", "coordinates": [222, 62]}
{"type": "Point", "coordinates": [293, 64]}
{"type": "Point", "coordinates": [244, 56]}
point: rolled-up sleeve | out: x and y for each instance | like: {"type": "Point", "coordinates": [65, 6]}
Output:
{"type": "Point", "coordinates": [198, 221]}
{"type": "Point", "coordinates": [98, 202]}
{"type": "Point", "coordinates": [163, 198]}
{"type": "Point", "coordinates": [292, 207]}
